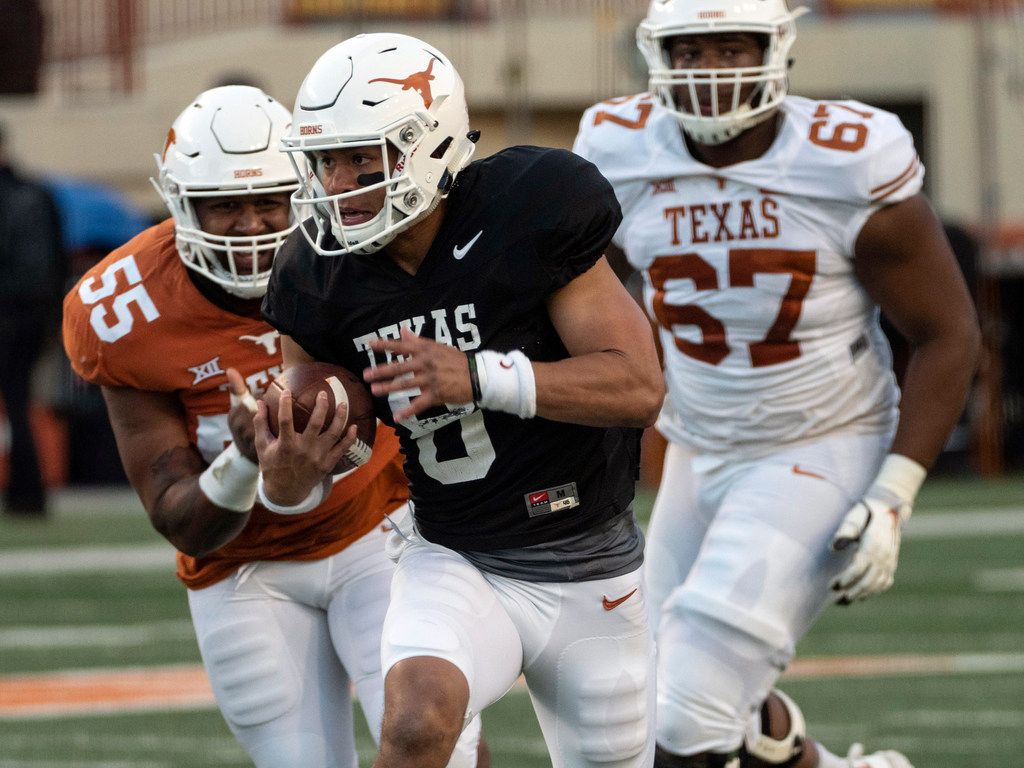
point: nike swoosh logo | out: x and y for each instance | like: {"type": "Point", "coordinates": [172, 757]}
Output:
{"type": "Point", "coordinates": [610, 605]}
{"type": "Point", "coordinates": [458, 253]}
{"type": "Point", "coordinates": [805, 472]}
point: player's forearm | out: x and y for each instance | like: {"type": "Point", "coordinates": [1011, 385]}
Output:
{"type": "Point", "coordinates": [939, 374]}
{"type": "Point", "coordinates": [183, 513]}
{"type": "Point", "coordinates": [192, 523]}
{"type": "Point", "coordinates": [600, 389]}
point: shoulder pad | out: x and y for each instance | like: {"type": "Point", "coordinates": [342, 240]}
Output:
{"type": "Point", "coordinates": [854, 152]}
{"type": "Point", "coordinates": [611, 134]}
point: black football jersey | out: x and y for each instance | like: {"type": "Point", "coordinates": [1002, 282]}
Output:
{"type": "Point", "coordinates": [518, 226]}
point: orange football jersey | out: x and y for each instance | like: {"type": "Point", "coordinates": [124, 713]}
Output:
{"type": "Point", "coordinates": [137, 320]}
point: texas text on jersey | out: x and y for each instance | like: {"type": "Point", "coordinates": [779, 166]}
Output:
{"type": "Point", "coordinates": [796, 350]}
{"type": "Point", "coordinates": [518, 226]}
{"type": "Point", "coordinates": [137, 320]}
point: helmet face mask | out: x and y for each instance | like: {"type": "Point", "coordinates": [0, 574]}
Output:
{"type": "Point", "coordinates": [226, 144]}
{"type": "Point", "coordinates": [734, 98]}
{"type": "Point", "coordinates": [391, 94]}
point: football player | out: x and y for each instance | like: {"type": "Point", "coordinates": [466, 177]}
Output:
{"type": "Point", "coordinates": [476, 301]}
{"type": "Point", "coordinates": [287, 610]}
{"type": "Point", "coordinates": [769, 229]}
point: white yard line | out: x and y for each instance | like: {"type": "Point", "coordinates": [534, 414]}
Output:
{"type": "Point", "coordinates": [1000, 580]}
{"type": "Point", "coordinates": [94, 636]}
{"type": "Point", "coordinates": [905, 665]}
{"type": "Point", "coordinates": [965, 523]}
{"type": "Point", "coordinates": [156, 557]}
{"type": "Point", "coordinates": [112, 559]}
{"type": "Point", "coordinates": [76, 763]}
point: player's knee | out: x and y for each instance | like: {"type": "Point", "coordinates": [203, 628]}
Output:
{"type": "Point", "coordinates": [781, 737]}
{"type": "Point", "coordinates": [665, 759]}
{"type": "Point", "coordinates": [696, 722]}
{"type": "Point", "coordinates": [711, 676]}
{"type": "Point", "coordinates": [427, 734]}
{"type": "Point", "coordinates": [252, 680]}
{"type": "Point", "coordinates": [424, 708]}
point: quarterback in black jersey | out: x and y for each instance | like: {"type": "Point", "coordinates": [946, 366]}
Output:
{"type": "Point", "coordinates": [476, 301]}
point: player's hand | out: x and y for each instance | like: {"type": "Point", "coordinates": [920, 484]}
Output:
{"type": "Point", "coordinates": [438, 371]}
{"type": "Point", "coordinates": [243, 407]}
{"type": "Point", "coordinates": [294, 462]}
{"type": "Point", "coordinates": [873, 527]}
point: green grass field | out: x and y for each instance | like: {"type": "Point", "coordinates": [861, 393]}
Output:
{"type": "Point", "coordinates": [952, 695]}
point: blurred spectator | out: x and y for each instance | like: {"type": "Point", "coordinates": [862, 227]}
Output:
{"type": "Point", "coordinates": [95, 220]}
{"type": "Point", "coordinates": [21, 46]}
{"type": "Point", "coordinates": [33, 267]}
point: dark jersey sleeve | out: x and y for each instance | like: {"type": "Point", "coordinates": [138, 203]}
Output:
{"type": "Point", "coordinates": [582, 214]}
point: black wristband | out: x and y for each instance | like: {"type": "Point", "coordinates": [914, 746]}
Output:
{"type": "Point", "coordinates": [474, 378]}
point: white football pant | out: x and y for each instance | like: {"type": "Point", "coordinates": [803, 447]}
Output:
{"type": "Point", "coordinates": [589, 669]}
{"type": "Point", "coordinates": [283, 644]}
{"type": "Point", "coordinates": [738, 568]}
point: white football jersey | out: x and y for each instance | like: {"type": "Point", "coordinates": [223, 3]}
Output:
{"type": "Point", "coordinates": [768, 336]}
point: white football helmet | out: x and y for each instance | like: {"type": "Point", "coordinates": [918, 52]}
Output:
{"type": "Point", "coordinates": [226, 142]}
{"type": "Point", "coordinates": [379, 90]}
{"type": "Point", "coordinates": [667, 19]}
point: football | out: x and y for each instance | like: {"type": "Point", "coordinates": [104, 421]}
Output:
{"type": "Point", "coordinates": [306, 381]}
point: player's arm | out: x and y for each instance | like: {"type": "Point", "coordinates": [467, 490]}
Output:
{"type": "Point", "coordinates": [906, 265]}
{"type": "Point", "coordinates": [611, 378]}
{"type": "Point", "coordinates": [631, 278]}
{"type": "Point", "coordinates": [165, 470]}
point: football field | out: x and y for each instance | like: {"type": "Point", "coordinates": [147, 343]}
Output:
{"type": "Point", "coordinates": [99, 668]}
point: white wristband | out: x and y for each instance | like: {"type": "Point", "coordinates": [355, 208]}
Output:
{"type": "Point", "coordinates": [311, 502]}
{"type": "Point", "coordinates": [507, 382]}
{"type": "Point", "coordinates": [230, 480]}
{"type": "Point", "coordinates": [901, 477]}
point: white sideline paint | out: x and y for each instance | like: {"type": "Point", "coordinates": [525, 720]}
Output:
{"type": "Point", "coordinates": [113, 559]}
{"type": "Point", "coordinates": [965, 523]}
{"type": "Point", "coordinates": [951, 719]}
{"type": "Point", "coordinates": [157, 557]}
{"type": "Point", "coordinates": [80, 764]}
{"type": "Point", "coordinates": [1000, 580]}
{"type": "Point", "coordinates": [94, 636]}
{"type": "Point", "coordinates": [904, 665]}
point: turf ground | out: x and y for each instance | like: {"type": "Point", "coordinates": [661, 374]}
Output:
{"type": "Point", "coordinates": [98, 662]}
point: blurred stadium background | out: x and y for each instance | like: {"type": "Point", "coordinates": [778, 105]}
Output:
{"type": "Point", "coordinates": [97, 660]}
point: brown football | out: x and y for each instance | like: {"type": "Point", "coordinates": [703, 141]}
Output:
{"type": "Point", "coordinates": [305, 381]}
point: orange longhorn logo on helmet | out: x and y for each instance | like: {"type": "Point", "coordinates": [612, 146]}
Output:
{"type": "Point", "coordinates": [171, 138]}
{"type": "Point", "coordinates": [417, 81]}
